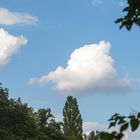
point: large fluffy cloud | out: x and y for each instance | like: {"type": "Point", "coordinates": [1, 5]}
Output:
{"type": "Point", "coordinates": [9, 45]}
{"type": "Point", "coordinates": [10, 18]}
{"type": "Point", "coordinates": [90, 68]}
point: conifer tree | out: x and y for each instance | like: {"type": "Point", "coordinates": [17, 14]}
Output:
{"type": "Point", "coordinates": [72, 119]}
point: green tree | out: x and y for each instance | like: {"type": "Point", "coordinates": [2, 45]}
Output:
{"type": "Point", "coordinates": [94, 136]}
{"type": "Point", "coordinates": [132, 16]}
{"type": "Point", "coordinates": [72, 118]}
{"type": "Point", "coordinates": [4, 106]}
{"type": "Point", "coordinates": [20, 122]}
{"type": "Point", "coordinates": [47, 127]}
{"type": "Point", "coordinates": [16, 119]}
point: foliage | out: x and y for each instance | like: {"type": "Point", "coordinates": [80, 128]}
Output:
{"type": "Point", "coordinates": [132, 16]}
{"type": "Point", "coordinates": [123, 122]}
{"type": "Point", "coordinates": [94, 136]}
{"type": "Point", "coordinates": [72, 118]}
{"type": "Point", "coordinates": [47, 126]}
{"type": "Point", "coordinates": [20, 122]}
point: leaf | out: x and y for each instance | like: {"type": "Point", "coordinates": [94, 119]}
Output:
{"type": "Point", "coordinates": [134, 124]}
{"type": "Point", "coordinates": [113, 117]}
{"type": "Point", "coordinates": [112, 124]}
{"type": "Point", "coordinates": [124, 127]}
{"type": "Point", "coordinates": [126, 9]}
{"type": "Point", "coordinates": [121, 121]}
{"type": "Point", "coordinates": [138, 115]}
{"type": "Point", "coordinates": [119, 20]}
{"type": "Point", "coordinates": [131, 117]}
{"type": "Point", "coordinates": [120, 136]}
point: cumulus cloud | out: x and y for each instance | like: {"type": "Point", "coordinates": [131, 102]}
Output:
{"type": "Point", "coordinates": [90, 68]}
{"type": "Point", "coordinates": [9, 45]}
{"type": "Point", "coordinates": [10, 18]}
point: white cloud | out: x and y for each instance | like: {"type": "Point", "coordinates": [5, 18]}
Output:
{"type": "Point", "coordinates": [59, 118]}
{"type": "Point", "coordinates": [9, 45]}
{"type": "Point", "coordinates": [93, 126]}
{"type": "Point", "coordinates": [10, 18]}
{"type": "Point", "coordinates": [90, 68]}
{"type": "Point", "coordinates": [121, 3]}
{"type": "Point", "coordinates": [97, 2]}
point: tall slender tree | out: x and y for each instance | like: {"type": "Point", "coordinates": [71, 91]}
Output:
{"type": "Point", "coordinates": [72, 118]}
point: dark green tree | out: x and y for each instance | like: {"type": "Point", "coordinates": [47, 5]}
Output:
{"type": "Point", "coordinates": [94, 136]}
{"type": "Point", "coordinates": [20, 122]}
{"type": "Point", "coordinates": [16, 119]}
{"type": "Point", "coordinates": [43, 116]}
{"type": "Point", "coordinates": [72, 118]}
{"type": "Point", "coordinates": [132, 16]}
{"type": "Point", "coordinates": [4, 106]}
{"type": "Point", "coordinates": [47, 127]}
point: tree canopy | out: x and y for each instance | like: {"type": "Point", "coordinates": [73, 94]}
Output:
{"type": "Point", "coordinates": [72, 118]}
{"type": "Point", "coordinates": [18, 121]}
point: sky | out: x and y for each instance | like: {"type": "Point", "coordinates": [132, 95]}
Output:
{"type": "Point", "coordinates": [50, 49]}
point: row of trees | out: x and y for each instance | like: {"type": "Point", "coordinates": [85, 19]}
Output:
{"type": "Point", "coordinates": [18, 121]}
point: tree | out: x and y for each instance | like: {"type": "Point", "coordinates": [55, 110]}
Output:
{"type": "Point", "coordinates": [18, 121]}
{"type": "Point", "coordinates": [43, 116]}
{"type": "Point", "coordinates": [94, 136]}
{"type": "Point", "coordinates": [47, 127]}
{"type": "Point", "coordinates": [72, 118]}
{"type": "Point", "coordinates": [21, 120]}
{"type": "Point", "coordinates": [4, 105]}
{"type": "Point", "coordinates": [132, 16]}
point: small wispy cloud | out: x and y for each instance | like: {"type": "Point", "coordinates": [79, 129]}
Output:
{"type": "Point", "coordinates": [97, 2]}
{"type": "Point", "coordinates": [121, 3]}
{"type": "Point", "coordinates": [89, 126]}
{"type": "Point", "coordinates": [95, 126]}
{"type": "Point", "coordinates": [59, 118]}
{"type": "Point", "coordinates": [9, 45]}
{"type": "Point", "coordinates": [10, 18]}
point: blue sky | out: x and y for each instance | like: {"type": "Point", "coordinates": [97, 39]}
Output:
{"type": "Point", "coordinates": [49, 31]}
